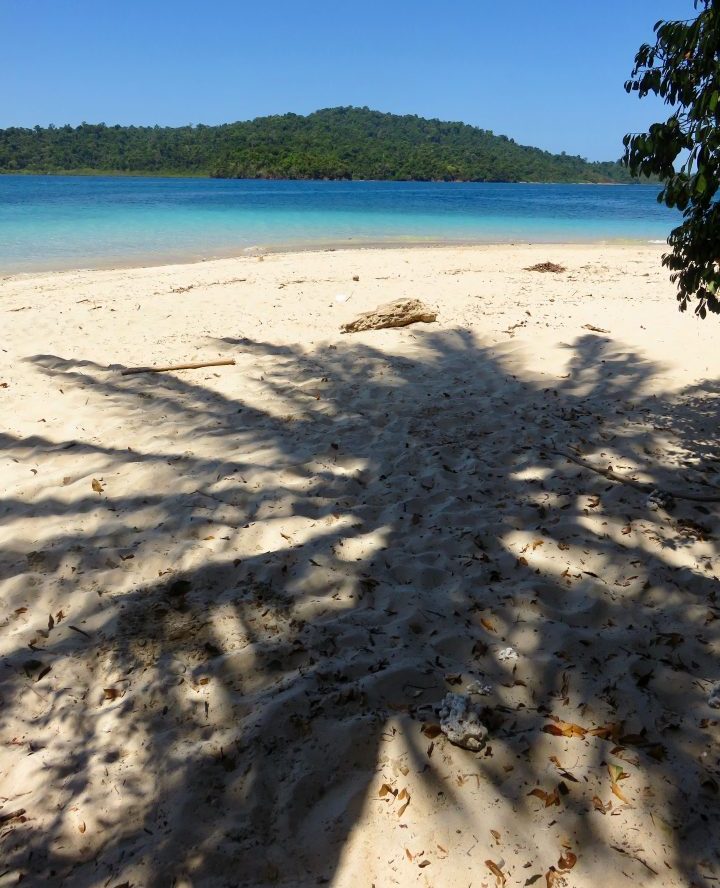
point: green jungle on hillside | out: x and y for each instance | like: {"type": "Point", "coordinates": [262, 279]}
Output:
{"type": "Point", "coordinates": [336, 143]}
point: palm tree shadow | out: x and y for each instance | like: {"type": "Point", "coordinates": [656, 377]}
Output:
{"type": "Point", "coordinates": [289, 581]}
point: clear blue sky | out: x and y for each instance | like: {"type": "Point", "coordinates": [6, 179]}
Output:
{"type": "Point", "coordinates": [545, 72]}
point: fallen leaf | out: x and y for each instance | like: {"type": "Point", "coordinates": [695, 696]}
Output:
{"type": "Point", "coordinates": [82, 827]}
{"type": "Point", "coordinates": [599, 806]}
{"type": "Point", "coordinates": [617, 773]}
{"type": "Point", "coordinates": [488, 624]}
{"type": "Point", "coordinates": [385, 789]}
{"type": "Point", "coordinates": [550, 798]}
{"type": "Point", "coordinates": [431, 731]}
{"type": "Point", "coordinates": [496, 871]}
{"type": "Point", "coordinates": [97, 486]}
{"type": "Point", "coordinates": [562, 728]}
{"type": "Point", "coordinates": [567, 861]}
{"type": "Point", "coordinates": [607, 732]}
{"type": "Point", "coordinates": [615, 789]}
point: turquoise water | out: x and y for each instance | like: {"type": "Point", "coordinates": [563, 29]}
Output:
{"type": "Point", "coordinates": [49, 222]}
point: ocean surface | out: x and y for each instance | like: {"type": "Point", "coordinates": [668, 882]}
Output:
{"type": "Point", "coordinates": [54, 222]}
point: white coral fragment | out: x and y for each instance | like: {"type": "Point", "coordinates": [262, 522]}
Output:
{"type": "Point", "coordinates": [507, 654]}
{"type": "Point", "coordinates": [461, 724]}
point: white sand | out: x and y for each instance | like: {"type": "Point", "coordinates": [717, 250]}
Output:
{"type": "Point", "coordinates": [293, 559]}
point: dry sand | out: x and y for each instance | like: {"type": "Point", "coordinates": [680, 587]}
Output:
{"type": "Point", "coordinates": [230, 598]}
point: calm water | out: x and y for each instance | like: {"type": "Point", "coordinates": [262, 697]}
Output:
{"type": "Point", "coordinates": [66, 221]}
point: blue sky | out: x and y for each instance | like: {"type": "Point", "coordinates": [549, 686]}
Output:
{"type": "Point", "coordinates": [545, 73]}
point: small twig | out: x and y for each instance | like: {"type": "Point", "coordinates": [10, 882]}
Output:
{"type": "Point", "coordinates": [176, 367]}
{"type": "Point", "coordinates": [11, 815]}
{"type": "Point", "coordinates": [81, 631]}
{"type": "Point", "coordinates": [638, 485]}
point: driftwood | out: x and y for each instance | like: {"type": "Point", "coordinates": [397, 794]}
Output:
{"type": "Point", "coordinates": [638, 485]}
{"type": "Point", "coordinates": [176, 367]}
{"type": "Point", "coordinates": [400, 313]}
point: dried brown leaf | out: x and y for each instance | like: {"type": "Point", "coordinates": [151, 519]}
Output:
{"type": "Point", "coordinates": [431, 731]}
{"type": "Point", "coordinates": [567, 860]}
{"type": "Point", "coordinates": [496, 871]}
{"type": "Point", "coordinates": [599, 806]}
{"type": "Point", "coordinates": [562, 728]}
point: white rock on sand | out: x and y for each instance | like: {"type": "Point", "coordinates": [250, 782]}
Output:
{"type": "Point", "coordinates": [215, 659]}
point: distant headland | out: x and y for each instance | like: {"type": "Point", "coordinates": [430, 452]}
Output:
{"type": "Point", "coordinates": [334, 143]}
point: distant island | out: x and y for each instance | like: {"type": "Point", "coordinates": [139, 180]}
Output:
{"type": "Point", "coordinates": [335, 143]}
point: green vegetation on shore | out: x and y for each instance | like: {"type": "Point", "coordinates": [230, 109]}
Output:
{"type": "Point", "coordinates": [336, 143]}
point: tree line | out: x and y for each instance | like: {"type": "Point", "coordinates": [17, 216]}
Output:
{"type": "Point", "coordinates": [335, 143]}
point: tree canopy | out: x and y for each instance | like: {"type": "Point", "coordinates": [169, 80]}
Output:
{"type": "Point", "coordinates": [683, 68]}
{"type": "Point", "coordinates": [336, 143]}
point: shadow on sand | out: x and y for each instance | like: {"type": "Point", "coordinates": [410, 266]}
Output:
{"type": "Point", "coordinates": [259, 624]}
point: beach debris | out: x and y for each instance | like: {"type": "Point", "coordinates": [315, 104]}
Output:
{"type": "Point", "coordinates": [660, 499]}
{"type": "Point", "coordinates": [399, 313]}
{"type": "Point", "coordinates": [476, 686]}
{"type": "Point", "coordinates": [496, 870]}
{"type": "Point", "coordinates": [547, 266]}
{"type": "Point", "coordinates": [13, 815]}
{"type": "Point", "coordinates": [639, 485]}
{"type": "Point", "coordinates": [594, 329]}
{"type": "Point", "coordinates": [460, 722]}
{"type": "Point", "coordinates": [714, 698]}
{"type": "Point", "coordinates": [507, 653]}
{"type": "Point", "coordinates": [197, 366]}
{"type": "Point", "coordinates": [342, 298]}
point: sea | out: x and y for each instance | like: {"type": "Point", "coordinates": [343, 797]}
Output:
{"type": "Point", "coordinates": [61, 222]}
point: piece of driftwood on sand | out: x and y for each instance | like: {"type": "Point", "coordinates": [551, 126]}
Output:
{"type": "Point", "coordinates": [198, 366]}
{"type": "Point", "coordinates": [400, 313]}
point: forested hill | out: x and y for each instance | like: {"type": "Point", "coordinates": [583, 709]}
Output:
{"type": "Point", "coordinates": [337, 143]}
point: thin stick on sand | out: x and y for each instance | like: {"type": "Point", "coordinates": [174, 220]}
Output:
{"type": "Point", "coordinates": [176, 367]}
{"type": "Point", "coordinates": [638, 485]}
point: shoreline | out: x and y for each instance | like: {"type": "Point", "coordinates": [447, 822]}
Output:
{"type": "Point", "coordinates": [330, 246]}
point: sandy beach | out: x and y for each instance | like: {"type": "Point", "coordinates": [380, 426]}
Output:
{"type": "Point", "coordinates": [233, 599]}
